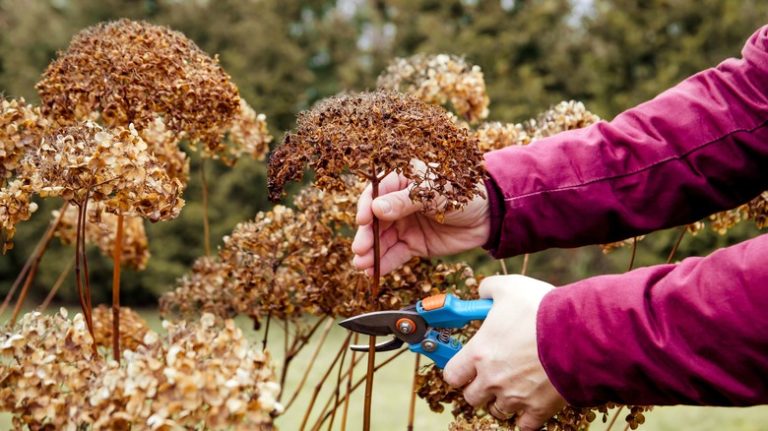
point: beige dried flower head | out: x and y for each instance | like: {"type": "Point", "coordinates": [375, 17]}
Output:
{"type": "Point", "coordinates": [372, 134]}
{"type": "Point", "coordinates": [101, 231]}
{"type": "Point", "coordinates": [567, 115]}
{"type": "Point", "coordinates": [201, 375]}
{"type": "Point", "coordinates": [495, 135]}
{"type": "Point", "coordinates": [613, 246]}
{"type": "Point", "coordinates": [205, 289]}
{"type": "Point", "coordinates": [445, 80]}
{"type": "Point", "coordinates": [111, 166]}
{"type": "Point", "coordinates": [15, 206]}
{"type": "Point", "coordinates": [132, 72]}
{"type": "Point", "coordinates": [133, 328]}
{"type": "Point", "coordinates": [21, 127]}
{"type": "Point", "coordinates": [248, 135]}
{"type": "Point", "coordinates": [724, 220]}
{"type": "Point", "coordinates": [165, 147]}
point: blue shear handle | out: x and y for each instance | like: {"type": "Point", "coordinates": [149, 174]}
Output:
{"type": "Point", "coordinates": [455, 313]}
{"type": "Point", "coordinates": [442, 352]}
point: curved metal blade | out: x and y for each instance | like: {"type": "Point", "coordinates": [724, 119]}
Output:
{"type": "Point", "coordinates": [392, 344]}
{"type": "Point", "coordinates": [377, 323]}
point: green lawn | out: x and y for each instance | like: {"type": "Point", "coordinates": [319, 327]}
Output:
{"type": "Point", "coordinates": [392, 389]}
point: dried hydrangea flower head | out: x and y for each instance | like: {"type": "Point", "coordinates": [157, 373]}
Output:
{"type": "Point", "coordinates": [373, 134]}
{"type": "Point", "coordinates": [265, 265]}
{"type": "Point", "coordinates": [758, 210]}
{"type": "Point", "coordinates": [111, 166]}
{"type": "Point", "coordinates": [21, 127]}
{"type": "Point", "coordinates": [247, 135]}
{"type": "Point", "coordinates": [204, 289]}
{"type": "Point", "coordinates": [496, 135]}
{"type": "Point", "coordinates": [15, 206]}
{"type": "Point", "coordinates": [101, 231]}
{"type": "Point", "coordinates": [131, 72]}
{"type": "Point", "coordinates": [133, 328]}
{"type": "Point", "coordinates": [201, 375]}
{"type": "Point", "coordinates": [566, 115]}
{"type": "Point", "coordinates": [445, 80]}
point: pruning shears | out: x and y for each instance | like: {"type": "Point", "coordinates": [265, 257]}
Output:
{"type": "Point", "coordinates": [426, 326]}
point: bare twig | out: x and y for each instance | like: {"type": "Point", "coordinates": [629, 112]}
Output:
{"type": "Point", "coordinates": [266, 332]}
{"type": "Point", "coordinates": [634, 253]}
{"type": "Point", "coordinates": [116, 258]}
{"type": "Point", "coordinates": [36, 258]}
{"type": "Point", "coordinates": [206, 225]}
{"type": "Point", "coordinates": [56, 285]}
{"type": "Point", "coordinates": [524, 269]}
{"type": "Point", "coordinates": [374, 297]}
{"type": "Point", "coordinates": [613, 419]}
{"type": "Point", "coordinates": [503, 266]}
{"type": "Point", "coordinates": [352, 364]}
{"type": "Point", "coordinates": [414, 390]}
{"type": "Point", "coordinates": [320, 384]}
{"type": "Point", "coordinates": [672, 252]}
{"type": "Point", "coordinates": [323, 336]}
{"type": "Point", "coordinates": [337, 390]}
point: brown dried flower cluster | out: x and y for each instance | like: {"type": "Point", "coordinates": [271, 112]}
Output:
{"type": "Point", "coordinates": [199, 375]}
{"type": "Point", "coordinates": [247, 134]}
{"type": "Point", "coordinates": [495, 135]}
{"type": "Point", "coordinates": [373, 134]}
{"type": "Point", "coordinates": [101, 231]}
{"type": "Point", "coordinates": [132, 72]}
{"type": "Point", "coordinates": [758, 210]}
{"type": "Point", "coordinates": [21, 127]}
{"type": "Point", "coordinates": [445, 80]}
{"type": "Point", "coordinates": [113, 166]}
{"type": "Point", "coordinates": [204, 289]}
{"type": "Point", "coordinates": [133, 328]}
{"type": "Point", "coordinates": [288, 263]}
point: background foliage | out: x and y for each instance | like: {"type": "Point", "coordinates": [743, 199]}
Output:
{"type": "Point", "coordinates": [286, 54]}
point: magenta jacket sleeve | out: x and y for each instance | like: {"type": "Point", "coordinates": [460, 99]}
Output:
{"type": "Point", "coordinates": [696, 332]}
{"type": "Point", "coordinates": [691, 333]}
{"type": "Point", "coordinates": [698, 148]}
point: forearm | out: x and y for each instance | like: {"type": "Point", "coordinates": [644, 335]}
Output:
{"type": "Point", "coordinates": [697, 148]}
{"type": "Point", "coordinates": [692, 333]}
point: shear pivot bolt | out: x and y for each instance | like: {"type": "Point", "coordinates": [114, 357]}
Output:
{"type": "Point", "coordinates": [429, 345]}
{"type": "Point", "coordinates": [405, 326]}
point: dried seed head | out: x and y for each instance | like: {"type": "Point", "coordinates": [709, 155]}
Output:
{"type": "Point", "coordinates": [133, 329]}
{"type": "Point", "coordinates": [21, 127]}
{"type": "Point", "coordinates": [204, 289]}
{"type": "Point", "coordinates": [132, 72]}
{"type": "Point", "coordinates": [15, 206]}
{"type": "Point", "coordinates": [444, 80]}
{"type": "Point", "coordinates": [101, 231]}
{"type": "Point", "coordinates": [111, 166]}
{"type": "Point", "coordinates": [370, 134]}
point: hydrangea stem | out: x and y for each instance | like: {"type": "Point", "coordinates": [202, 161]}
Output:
{"type": "Point", "coordinates": [300, 386]}
{"type": "Point", "coordinates": [206, 225]}
{"type": "Point", "coordinates": [634, 254]}
{"type": "Point", "coordinates": [32, 264]}
{"type": "Point", "coordinates": [320, 384]}
{"type": "Point", "coordinates": [672, 252]}
{"type": "Point", "coordinates": [524, 269]}
{"type": "Point", "coordinates": [613, 419]}
{"type": "Point", "coordinates": [352, 364]}
{"type": "Point", "coordinates": [56, 286]}
{"type": "Point", "coordinates": [116, 258]}
{"type": "Point", "coordinates": [412, 407]}
{"type": "Point", "coordinates": [374, 297]}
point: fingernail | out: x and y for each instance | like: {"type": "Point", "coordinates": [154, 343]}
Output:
{"type": "Point", "coordinates": [383, 206]}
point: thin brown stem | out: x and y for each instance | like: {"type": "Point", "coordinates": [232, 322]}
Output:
{"type": "Point", "coordinates": [116, 258]}
{"type": "Point", "coordinates": [337, 390]}
{"type": "Point", "coordinates": [319, 385]}
{"type": "Point", "coordinates": [414, 389]}
{"type": "Point", "coordinates": [352, 364]}
{"type": "Point", "coordinates": [634, 254]}
{"type": "Point", "coordinates": [296, 345]}
{"type": "Point", "coordinates": [626, 427]}
{"type": "Point", "coordinates": [524, 269]}
{"type": "Point", "coordinates": [206, 225]}
{"type": "Point", "coordinates": [22, 275]}
{"type": "Point", "coordinates": [327, 413]}
{"type": "Point", "coordinates": [503, 266]}
{"type": "Point", "coordinates": [672, 252]}
{"type": "Point", "coordinates": [266, 332]}
{"type": "Point", "coordinates": [79, 245]}
{"type": "Point", "coordinates": [300, 386]}
{"type": "Point", "coordinates": [38, 256]}
{"type": "Point", "coordinates": [613, 419]}
{"type": "Point", "coordinates": [86, 271]}
{"type": "Point", "coordinates": [56, 286]}
{"type": "Point", "coordinates": [368, 399]}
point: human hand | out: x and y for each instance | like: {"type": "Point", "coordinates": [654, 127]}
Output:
{"type": "Point", "coordinates": [406, 231]}
{"type": "Point", "coordinates": [499, 366]}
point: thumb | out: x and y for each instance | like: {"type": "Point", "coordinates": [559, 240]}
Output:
{"type": "Point", "coordinates": [394, 206]}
